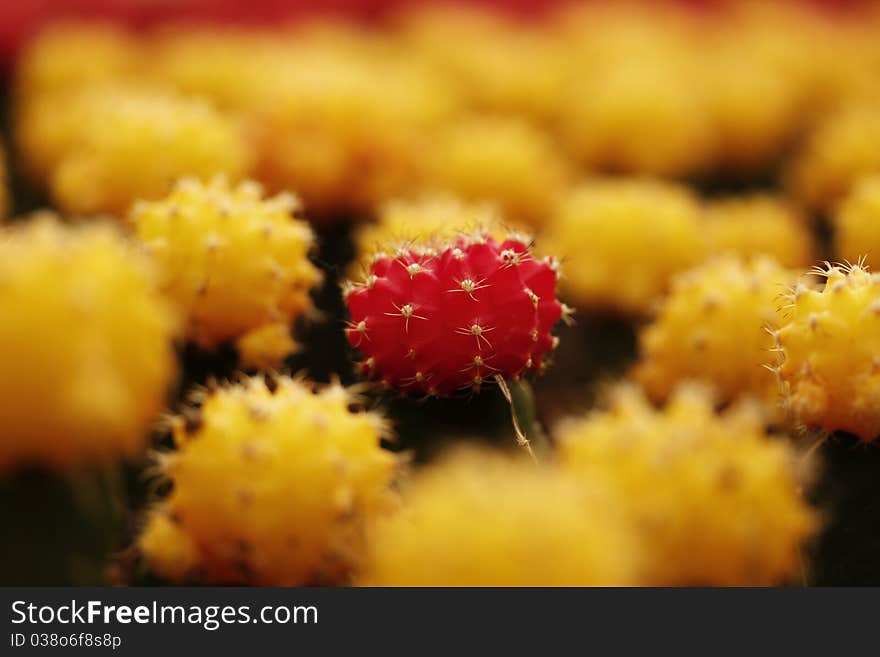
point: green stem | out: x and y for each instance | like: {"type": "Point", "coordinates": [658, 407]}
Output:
{"type": "Point", "coordinates": [523, 411]}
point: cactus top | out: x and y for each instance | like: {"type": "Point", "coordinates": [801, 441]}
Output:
{"type": "Point", "coordinates": [436, 320]}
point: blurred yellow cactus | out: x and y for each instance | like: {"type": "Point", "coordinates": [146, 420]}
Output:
{"type": "Point", "coordinates": [839, 151]}
{"type": "Point", "coordinates": [623, 240]}
{"type": "Point", "coordinates": [759, 224]}
{"type": "Point", "coordinates": [274, 483]}
{"type": "Point", "coordinates": [477, 519]}
{"type": "Point", "coordinates": [86, 345]}
{"type": "Point", "coordinates": [714, 499]}
{"type": "Point", "coordinates": [857, 222]}
{"type": "Point", "coordinates": [347, 132]}
{"type": "Point", "coordinates": [139, 145]}
{"type": "Point", "coordinates": [642, 117]}
{"type": "Point", "coordinates": [68, 55]}
{"type": "Point", "coordinates": [498, 65]}
{"type": "Point", "coordinates": [505, 161]}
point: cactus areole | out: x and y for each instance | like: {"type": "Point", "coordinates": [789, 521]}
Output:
{"type": "Point", "coordinates": [438, 320]}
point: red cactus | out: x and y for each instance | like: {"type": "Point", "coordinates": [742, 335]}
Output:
{"type": "Point", "coordinates": [436, 320]}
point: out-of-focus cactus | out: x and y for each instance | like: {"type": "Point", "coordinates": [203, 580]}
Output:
{"type": "Point", "coordinates": [233, 68]}
{"type": "Point", "coordinates": [502, 160]}
{"type": "Point", "coordinates": [712, 327]}
{"type": "Point", "coordinates": [623, 240]}
{"type": "Point", "coordinates": [43, 135]}
{"type": "Point", "coordinates": [274, 483]}
{"type": "Point", "coordinates": [759, 225]}
{"type": "Point", "coordinates": [714, 499]}
{"type": "Point", "coordinates": [347, 131]}
{"type": "Point", "coordinates": [235, 263]}
{"type": "Point", "coordinates": [86, 346]}
{"type": "Point", "coordinates": [499, 66]}
{"type": "Point", "coordinates": [641, 117]}
{"type": "Point", "coordinates": [857, 222]}
{"type": "Point", "coordinates": [69, 55]}
{"type": "Point", "coordinates": [138, 145]}
{"type": "Point", "coordinates": [477, 519]}
{"type": "Point", "coordinates": [632, 103]}
{"type": "Point", "coordinates": [842, 148]}
{"type": "Point", "coordinates": [756, 105]}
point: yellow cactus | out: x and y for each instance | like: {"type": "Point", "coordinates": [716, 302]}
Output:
{"type": "Point", "coordinates": [432, 217]}
{"type": "Point", "coordinates": [713, 498]}
{"type": "Point", "coordinates": [857, 222]}
{"type": "Point", "coordinates": [138, 145]}
{"type": "Point", "coordinates": [86, 345]}
{"type": "Point", "coordinates": [233, 261]}
{"type": "Point", "coordinates": [827, 350]}
{"type": "Point", "coordinates": [44, 135]}
{"type": "Point", "coordinates": [233, 68]}
{"type": "Point", "coordinates": [347, 131]}
{"type": "Point", "coordinates": [68, 55]}
{"type": "Point", "coordinates": [499, 65]}
{"type": "Point", "coordinates": [713, 327]}
{"type": "Point", "coordinates": [273, 484]}
{"type": "Point", "coordinates": [504, 161]}
{"type": "Point", "coordinates": [622, 241]}
{"type": "Point", "coordinates": [264, 348]}
{"type": "Point", "coordinates": [756, 105]}
{"type": "Point", "coordinates": [771, 39]}
{"type": "Point", "coordinates": [841, 149]}
{"type": "Point", "coordinates": [759, 224]}
{"type": "Point", "coordinates": [478, 519]}
{"type": "Point", "coordinates": [172, 553]}
{"type": "Point", "coordinates": [637, 114]}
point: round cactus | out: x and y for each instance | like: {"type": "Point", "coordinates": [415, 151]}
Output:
{"type": "Point", "coordinates": [505, 161]}
{"type": "Point", "coordinates": [756, 225]}
{"type": "Point", "coordinates": [622, 241]}
{"type": "Point", "coordinates": [233, 68]}
{"type": "Point", "coordinates": [273, 484]}
{"type": "Point", "coordinates": [499, 67]}
{"type": "Point", "coordinates": [236, 263]}
{"type": "Point", "coordinates": [712, 327]}
{"type": "Point", "coordinates": [44, 136]}
{"type": "Point", "coordinates": [449, 317]}
{"type": "Point", "coordinates": [842, 149]}
{"type": "Point", "coordinates": [638, 115]}
{"type": "Point", "coordinates": [86, 345]}
{"type": "Point", "coordinates": [135, 144]}
{"type": "Point", "coordinates": [827, 350]}
{"type": "Point", "coordinates": [477, 519]}
{"type": "Point", "coordinates": [172, 553]}
{"type": "Point", "coordinates": [857, 222]}
{"type": "Point", "coordinates": [717, 501]}
{"type": "Point", "coordinates": [346, 129]}
{"type": "Point", "coordinates": [755, 102]}
{"type": "Point", "coordinates": [68, 55]}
